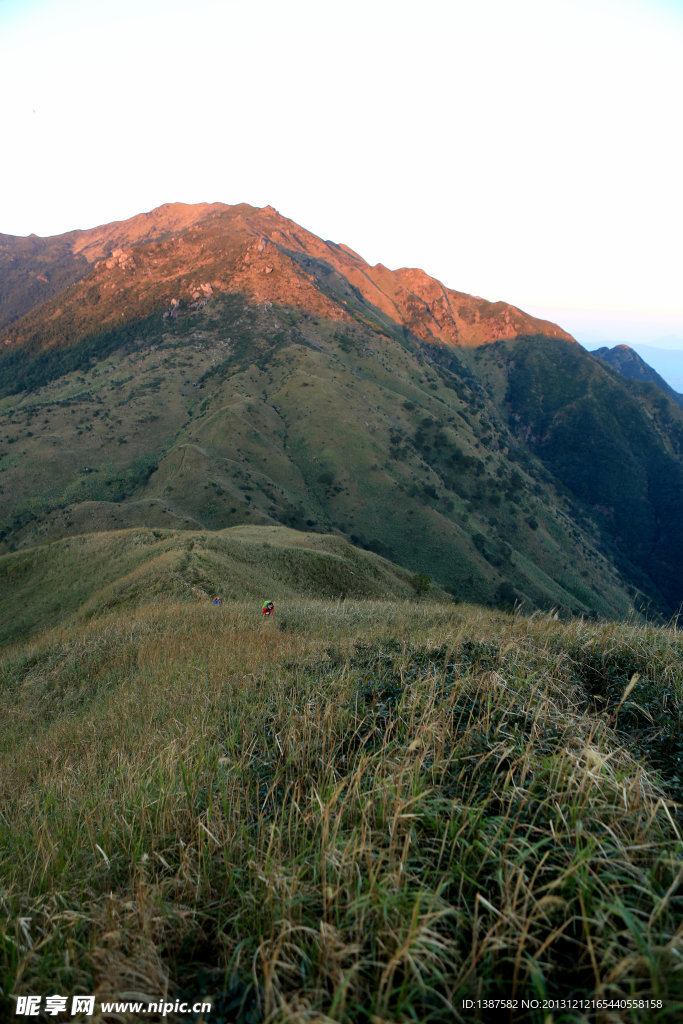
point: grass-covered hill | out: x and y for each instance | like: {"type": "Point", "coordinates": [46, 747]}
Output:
{"type": "Point", "coordinates": [77, 579]}
{"type": "Point", "coordinates": [358, 811]}
{"type": "Point", "coordinates": [221, 366]}
{"type": "Point", "coordinates": [230, 414]}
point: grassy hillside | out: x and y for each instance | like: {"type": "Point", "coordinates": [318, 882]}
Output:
{"type": "Point", "coordinates": [83, 576]}
{"type": "Point", "coordinates": [358, 811]}
{"type": "Point", "coordinates": [231, 415]}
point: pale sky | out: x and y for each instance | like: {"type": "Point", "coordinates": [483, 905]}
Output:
{"type": "Point", "coordinates": [525, 150]}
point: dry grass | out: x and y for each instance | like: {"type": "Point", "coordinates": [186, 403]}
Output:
{"type": "Point", "coordinates": [356, 812]}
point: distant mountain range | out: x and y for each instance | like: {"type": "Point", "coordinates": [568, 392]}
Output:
{"type": "Point", "coordinates": [628, 363]}
{"type": "Point", "coordinates": [200, 367]}
{"type": "Point", "coordinates": [666, 360]}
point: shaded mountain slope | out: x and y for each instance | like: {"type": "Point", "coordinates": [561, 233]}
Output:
{"type": "Point", "coordinates": [629, 364]}
{"type": "Point", "coordinates": [617, 453]}
{"type": "Point", "coordinates": [34, 270]}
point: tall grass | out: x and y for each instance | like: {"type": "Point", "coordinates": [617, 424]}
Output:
{"type": "Point", "coordinates": [357, 811]}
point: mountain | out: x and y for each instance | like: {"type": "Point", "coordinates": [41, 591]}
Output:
{"type": "Point", "coordinates": [629, 364]}
{"type": "Point", "coordinates": [178, 257]}
{"type": "Point", "coordinates": [198, 368]}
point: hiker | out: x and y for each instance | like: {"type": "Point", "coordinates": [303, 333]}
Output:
{"type": "Point", "coordinates": [217, 601]}
{"type": "Point", "coordinates": [268, 608]}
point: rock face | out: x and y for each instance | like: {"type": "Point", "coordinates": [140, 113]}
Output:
{"type": "Point", "coordinates": [121, 259]}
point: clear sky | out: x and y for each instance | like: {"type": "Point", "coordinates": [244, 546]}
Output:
{"type": "Point", "coordinates": [525, 150]}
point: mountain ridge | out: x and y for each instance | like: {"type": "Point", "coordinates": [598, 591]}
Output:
{"type": "Point", "coordinates": [630, 364]}
{"type": "Point", "coordinates": [261, 237]}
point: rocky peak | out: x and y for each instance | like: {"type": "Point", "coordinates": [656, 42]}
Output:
{"type": "Point", "coordinates": [179, 250]}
